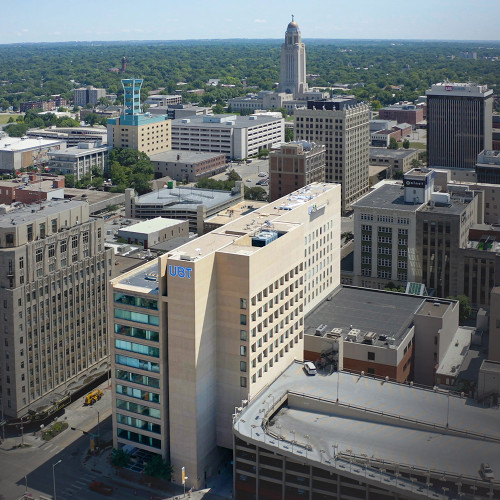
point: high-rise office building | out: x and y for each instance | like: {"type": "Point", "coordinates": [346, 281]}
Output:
{"type": "Point", "coordinates": [293, 62]}
{"type": "Point", "coordinates": [342, 125]}
{"type": "Point", "coordinates": [136, 130]}
{"type": "Point", "coordinates": [53, 284]}
{"type": "Point", "coordinates": [215, 321]}
{"type": "Point", "coordinates": [459, 124]}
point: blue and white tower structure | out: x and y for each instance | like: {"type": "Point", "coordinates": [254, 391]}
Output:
{"type": "Point", "coordinates": [132, 96]}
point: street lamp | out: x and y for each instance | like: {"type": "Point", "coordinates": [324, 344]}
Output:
{"type": "Point", "coordinates": [54, 477]}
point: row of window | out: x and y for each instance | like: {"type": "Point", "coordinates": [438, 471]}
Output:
{"type": "Point", "coordinates": [137, 363]}
{"type": "Point", "coordinates": [138, 423]}
{"type": "Point", "coordinates": [146, 411]}
{"type": "Point", "coordinates": [132, 300]}
{"type": "Point", "coordinates": [135, 378]}
{"type": "Point", "coordinates": [136, 317]}
{"type": "Point", "coordinates": [137, 348]}
{"type": "Point", "coordinates": [139, 333]}
{"type": "Point", "coordinates": [137, 393]}
{"type": "Point", "coordinates": [139, 438]}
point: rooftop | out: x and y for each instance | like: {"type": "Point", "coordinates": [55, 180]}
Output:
{"type": "Point", "coordinates": [389, 196]}
{"type": "Point", "coordinates": [30, 213]}
{"type": "Point", "coordinates": [143, 279]}
{"type": "Point", "coordinates": [224, 121]}
{"type": "Point", "coordinates": [232, 213]}
{"type": "Point", "coordinates": [363, 310]}
{"type": "Point", "coordinates": [186, 197]}
{"type": "Point", "coordinates": [151, 225]}
{"type": "Point", "coordinates": [77, 151]}
{"type": "Point", "coordinates": [184, 156]}
{"type": "Point", "coordinates": [22, 143]}
{"type": "Point", "coordinates": [456, 353]}
{"type": "Point", "coordinates": [378, 419]}
{"type": "Point", "coordinates": [391, 153]}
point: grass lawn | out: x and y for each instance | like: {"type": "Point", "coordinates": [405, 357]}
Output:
{"type": "Point", "coordinates": [5, 118]}
{"type": "Point", "coordinates": [417, 145]}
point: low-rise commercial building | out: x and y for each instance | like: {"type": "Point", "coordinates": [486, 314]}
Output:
{"type": "Point", "coordinates": [154, 231]}
{"type": "Point", "coordinates": [18, 153]}
{"type": "Point", "coordinates": [187, 166]}
{"type": "Point", "coordinates": [184, 203]}
{"type": "Point", "coordinates": [488, 167]}
{"type": "Point", "coordinates": [216, 320]}
{"type": "Point", "coordinates": [72, 136]}
{"type": "Point", "coordinates": [295, 165]}
{"type": "Point", "coordinates": [396, 160]}
{"type": "Point", "coordinates": [402, 113]}
{"type": "Point", "coordinates": [237, 137]}
{"type": "Point", "coordinates": [340, 435]}
{"type": "Point", "coordinates": [163, 100]}
{"type": "Point", "coordinates": [80, 160]}
{"type": "Point", "coordinates": [31, 188]}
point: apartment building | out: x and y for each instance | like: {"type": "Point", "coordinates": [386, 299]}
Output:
{"type": "Point", "coordinates": [87, 95]}
{"type": "Point", "coordinates": [295, 165]}
{"type": "Point", "coordinates": [53, 277]}
{"type": "Point", "coordinates": [342, 126]}
{"type": "Point", "coordinates": [216, 320]}
{"type": "Point", "coordinates": [237, 137]}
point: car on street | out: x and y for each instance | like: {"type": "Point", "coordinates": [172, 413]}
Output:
{"type": "Point", "coordinates": [487, 472]}
{"type": "Point", "coordinates": [262, 174]}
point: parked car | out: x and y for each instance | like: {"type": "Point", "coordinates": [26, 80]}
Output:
{"type": "Point", "coordinates": [487, 472]}
{"type": "Point", "coordinates": [262, 174]}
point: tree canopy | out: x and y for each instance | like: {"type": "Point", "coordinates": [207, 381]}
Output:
{"type": "Point", "coordinates": [130, 168]}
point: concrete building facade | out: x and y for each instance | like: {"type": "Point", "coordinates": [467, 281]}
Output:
{"type": "Point", "coordinates": [187, 165]}
{"type": "Point", "coordinates": [293, 62]}
{"type": "Point", "coordinates": [342, 126]}
{"type": "Point", "coordinates": [237, 137]}
{"type": "Point", "coordinates": [87, 95]}
{"type": "Point", "coordinates": [459, 124]}
{"type": "Point", "coordinates": [79, 161]}
{"type": "Point", "coordinates": [295, 165]}
{"type": "Point", "coordinates": [402, 113]}
{"type": "Point", "coordinates": [224, 317]}
{"type": "Point", "coordinates": [53, 276]}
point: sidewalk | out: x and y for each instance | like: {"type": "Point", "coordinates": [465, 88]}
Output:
{"type": "Point", "coordinates": [101, 464]}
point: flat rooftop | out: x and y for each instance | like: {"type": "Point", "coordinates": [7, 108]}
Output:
{"type": "Point", "coordinates": [232, 213]}
{"type": "Point", "coordinates": [143, 279]}
{"type": "Point", "coordinates": [76, 151]}
{"type": "Point", "coordinates": [456, 353]}
{"type": "Point", "coordinates": [151, 225]}
{"type": "Point", "coordinates": [388, 314]}
{"type": "Point", "coordinates": [234, 121]}
{"type": "Point", "coordinates": [187, 198]}
{"type": "Point", "coordinates": [400, 424]}
{"type": "Point", "coordinates": [21, 143]}
{"type": "Point", "coordinates": [395, 154]}
{"type": "Point", "coordinates": [30, 213]}
{"type": "Point", "coordinates": [184, 156]}
{"type": "Point", "coordinates": [390, 196]}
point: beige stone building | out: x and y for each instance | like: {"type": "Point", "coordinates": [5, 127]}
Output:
{"type": "Point", "coordinates": [53, 275]}
{"type": "Point", "coordinates": [213, 322]}
{"type": "Point", "coordinates": [342, 125]}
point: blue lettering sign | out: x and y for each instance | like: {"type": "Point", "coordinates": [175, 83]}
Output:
{"type": "Point", "coordinates": [180, 271]}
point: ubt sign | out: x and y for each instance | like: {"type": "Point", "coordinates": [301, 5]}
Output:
{"type": "Point", "coordinates": [180, 271]}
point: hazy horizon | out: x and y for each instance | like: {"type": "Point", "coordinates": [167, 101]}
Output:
{"type": "Point", "coordinates": [30, 21]}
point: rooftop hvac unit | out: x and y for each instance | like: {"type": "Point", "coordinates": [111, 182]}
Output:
{"type": "Point", "coordinates": [321, 330]}
{"type": "Point", "coordinates": [336, 330]}
{"type": "Point", "coordinates": [370, 336]}
{"type": "Point", "coordinates": [355, 331]}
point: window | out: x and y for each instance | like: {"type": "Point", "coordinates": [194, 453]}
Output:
{"type": "Point", "coordinates": [243, 319]}
{"type": "Point", "coordinates": [64, 246]}
{"type": "Point", "coordinates": [243, 366]}
{"type": "Point", "coordinates": [21, 262]}
{"type": "Point", "coordinates": [39, 255]}
{"type": "Point", "coordinates": [42, 230]}
{"type": "Point", "coordinates": [366, 227]}
{"type": "Point", "coordinates": [54, 225]}
{"type": "Point", "coordinates": [243, 335]}
{"type": "Point", "coordinates": [243, 350]}
{"type": "Point", "coordinates": [137, 317]}
{"type": "Point", "coordinates": [371, 371]}
{"type": "Point", "coordinates": [74, 241]}
{"type": "Point", "coordinates": [371, 356]}
{"type": "Point", "coordinates": [30, 232]}
{"type": "Point", "coordinates": [243, 303]}
{"type": "Point", "coordinates": [243, 381]}
{"type": "Point", "coordinates": [137, 332]}
{"type": "Point", "coordinates": [403, 232]}
{"type": "Point", "coordinates": [52, 250]}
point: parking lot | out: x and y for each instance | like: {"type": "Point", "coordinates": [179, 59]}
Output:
{"type": "Point", "coordinates": [249, 172]}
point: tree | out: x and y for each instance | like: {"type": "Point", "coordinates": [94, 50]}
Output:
{"type": "Point", "coordinates": [92, 119]}
{"type": "Point", "coordinates": [69, 180]}
{"type": "Point", "coordinates": [289, 134]}
{"type": "Point", "coordinates": [264, 152]}
{"type": "Point", "coordinates": [464, 307]}
{"type": "Point", "coordinates": [376, 104]}
{"type": "Point", "coordinates": [232, 175]}
{"type": "Point", "coordinates": [218, 109]}
{"type": "Point", "coordinates": [158, 467]}
{"type": "Point", "coordinates": [16, 129]}
{"type": "Point", "coordinates": [415, 163]}
{"type": "Point", "coordinates": [255, 193]}
{"type": "Point", "coordinates": [393, 144]}
{"type": "Point", "coordinates": [120, 458]}
{"type": "Point", "coordinates": [406, 144]}
{"type": "Point", "coordinates": [283, 111]}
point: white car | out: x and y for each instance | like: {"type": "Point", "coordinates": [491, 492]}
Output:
{"type": "Point", "coordinates": [487, 472]}
{"type": "Point", "coordinates": [262, 174]}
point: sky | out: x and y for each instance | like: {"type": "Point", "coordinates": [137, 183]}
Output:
{"type": "Point", "coordinates": [106, 20]}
